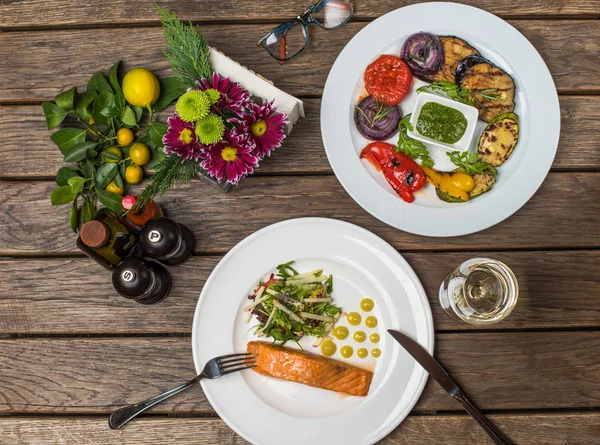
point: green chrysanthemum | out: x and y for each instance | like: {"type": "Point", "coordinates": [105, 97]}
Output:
{"type": "Point", "coordinates": [193, 105]}
{"type": "Point", "coordinates": [213, 95]}
{"type": "Point", "coordinates": [210, 129]}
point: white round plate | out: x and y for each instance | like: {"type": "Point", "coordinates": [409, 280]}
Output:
{"type": "Point", "coordinates": [536, 105]}
{"type": "Point", "coordinates": [268, 411]}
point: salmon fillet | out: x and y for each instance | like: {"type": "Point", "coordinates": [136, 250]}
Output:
{"type": "Point", "coordinates": [309, 369]}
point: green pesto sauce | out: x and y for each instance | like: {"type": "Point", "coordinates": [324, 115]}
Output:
{"type": "Point", "coordinates": [441, 123]}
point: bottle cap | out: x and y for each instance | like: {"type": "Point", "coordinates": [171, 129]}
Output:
{"type": "Point", "coordinates": [94, 233]}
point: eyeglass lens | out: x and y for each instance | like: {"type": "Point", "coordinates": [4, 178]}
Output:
{"type": "Point", "coordinates": [332, 13]}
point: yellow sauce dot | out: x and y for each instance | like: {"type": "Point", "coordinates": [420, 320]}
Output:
{"type": "Point", "coordinates": [370, 321]}
{"type": "Point", "coordinates": [328, 348]}
{"type": "Point", "coordinates": [341, 332]}
{"type": "Point", "coordinates": [360, 336]}
{"type": "Point", "coordinates": [346, 351]}
{"type": "Point", "coordinates": [376, 352]}
{"type": "Point", "coordinates": [362, 352]}
{"type": "Point", "coordinates": [354, 318]}
{"type": "Point", "coordinates": [374, 337]}
{"type": "Point", "coordinates": [367, 304]}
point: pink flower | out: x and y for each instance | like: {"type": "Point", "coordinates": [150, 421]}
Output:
{"type": "Point", "coordinates": [181, 140]}
{"type": "Point", "coordinates": [265, 127]}
{"type": "Point", "coordinates": [233, 96]}
{"type": "Point", "coordinates": [232, 158]}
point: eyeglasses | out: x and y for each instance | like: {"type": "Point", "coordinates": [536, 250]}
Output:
{"type": "Point", "coordinates": [290, 38]}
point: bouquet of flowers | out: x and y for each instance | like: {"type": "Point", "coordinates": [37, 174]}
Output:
{"type": "Point", "coordinates": [217, 128]}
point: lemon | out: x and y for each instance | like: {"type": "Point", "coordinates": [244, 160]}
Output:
{"type": "Point", "coordinates": [116, 151]}
{"type": "Point", "coordinates": [134, 174]}
{"type": "Point", "coordinates": [140, 87]}
{"type": "Point", "coordinates": [112, 187]}
{"type": "Point", "coordinates": [124, 136]}
{"type": "Point", "coordinates": [139, 153]}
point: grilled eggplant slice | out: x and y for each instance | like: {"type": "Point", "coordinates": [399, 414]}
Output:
{"type": "Point", "coordinates": [492, 89]}
{"type": "Point", "coordinates": [499, 139]}
{"type": "Point", "coordinates": [455, 50]}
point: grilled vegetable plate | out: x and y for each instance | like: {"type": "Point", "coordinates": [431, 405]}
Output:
{"type": "Point", "coordinates": [499, 139]}
{"type": "Point", "coordinates": [309, 369]}
{"type": "Point", "coordinates": [491, 88]}
{"type": "Point", "coordinates": [455, 50]}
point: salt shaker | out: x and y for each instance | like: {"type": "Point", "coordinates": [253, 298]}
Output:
{"type": "Point", "coordinates": [143, 281]}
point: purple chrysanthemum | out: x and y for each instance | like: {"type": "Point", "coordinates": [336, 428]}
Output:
{"type": "Point", "coordinates": [265, 127]}
{"type": "Point", "coordinates": [233, 96]}
{"type": "Point", "coordinates": [233, 158]}
{"type": "Point", "coordinates": [181, 139]}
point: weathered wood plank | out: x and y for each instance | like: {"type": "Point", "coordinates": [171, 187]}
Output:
{"type": "Point", "coordinates": [302, 152]}
{"type": "Point", "coordinates": [527, 429]}
{"type": "Point", "coordinates": [57, 296]}
{"type": "Point", "coordinates": [70, 57]}
{"type": "Point", "coordinates": [563, 213]}
{"type": "Point", "coordinates": [20, 14]}
{"type": "Point", "coordinates": [523, 370]}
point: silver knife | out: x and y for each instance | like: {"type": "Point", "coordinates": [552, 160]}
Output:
{"type": "Point", "coordinates": [439, 374]}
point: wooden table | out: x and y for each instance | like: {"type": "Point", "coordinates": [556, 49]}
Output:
{"type": "Point", "coordinates": [71, 350]}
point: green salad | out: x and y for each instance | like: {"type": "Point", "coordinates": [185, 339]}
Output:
{"type": "Point", "coordinates": [290, 305]}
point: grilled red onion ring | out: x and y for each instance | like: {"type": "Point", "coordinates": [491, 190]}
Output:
{"type": "Point", "coordinates": [384, 127]}
{"type": "Point", "coordinates": [423, 53]}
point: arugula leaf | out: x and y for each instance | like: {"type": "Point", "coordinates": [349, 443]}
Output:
{"type": "Point", "coordinates": [470, 163]}
{"type": "Point", "coordinates": [449, 90]}
{"type": "Point", "coordinates": [410, 147]}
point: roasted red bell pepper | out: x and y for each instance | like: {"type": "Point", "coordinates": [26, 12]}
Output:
{"type": "Point", "coordinates": [403, 174]}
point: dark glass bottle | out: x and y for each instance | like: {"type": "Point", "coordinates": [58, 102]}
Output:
{"type": "Point", "coordinates": [167, 241]}
{"type": "Point", "coordinates": [107, 238]}
{"type": "Point", "coordinates": [143, 281]}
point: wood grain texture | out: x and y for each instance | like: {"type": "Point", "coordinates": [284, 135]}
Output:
{"type": "Point", "coordinates": [516, 370]}
{"type": "Point", "coordinates": [563, 213]}
{"type": "Point", "coordinates": [70, 57]}
{"type": "Point", "coordinates": [529, 429]}
{"type": "Point", "coordinates": [58, 296]}
{"type": "Point", "coordinates": [20, 14]}
{"type": "Point", "coordinates": [302, 152]}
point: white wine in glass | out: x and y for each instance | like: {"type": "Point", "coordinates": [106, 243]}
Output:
{"type": "Point", "coordinates": [479, 291]}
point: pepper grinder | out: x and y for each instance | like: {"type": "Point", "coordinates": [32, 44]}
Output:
{"type": "Point", "coordinates": [143, 281]}
{"type": "Point", "coordinates": [167, 241]}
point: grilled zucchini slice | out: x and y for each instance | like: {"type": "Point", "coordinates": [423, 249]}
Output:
{"type": "Point", "coordinates": [492, 89]}
{"type": "Point", "coordinates": [499, 139]}
{"type": "Point", "coordinates": [455, 50]}
{"type": "Point", "coordinates": [447, 197]}
{"type": "Point", "coordinates": [483, 182]}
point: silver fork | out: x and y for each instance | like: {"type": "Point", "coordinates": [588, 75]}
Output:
{"type": "Point", "coordinates": [215, 368]}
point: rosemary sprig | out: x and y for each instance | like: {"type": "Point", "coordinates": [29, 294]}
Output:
{"type": "Point", "coordinates": [381, 112]}
{"type": "Point", "coordinates": [425, 53]}
{"type": "Point", "coordinates": [411, 147]}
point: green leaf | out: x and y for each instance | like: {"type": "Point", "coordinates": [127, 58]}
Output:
{"type": "Point", "coordinates": [99, 128]}
{"type": "Point", "coordinates": [158, 155]}
{"type": "Point", "coordinates": [66, 100]}
{"type": "Point", "coordinates": [111, 200]}
{"type": "Point", "coordinates": [128, 117]}
{"type": "Point", "coordinates": [113, 79]}
{"type": "Point", "coordinates": [119, 180]}
{"type": "Point", "coordinates": [105, 99]}
{"type": "Point", "coordinates": [88, 169]}
{"type": "Point", "coordinates": [156, 132]}
{"type": "Point", "coordinates": [110, 112]}
{"type": "Point", "coordinates": [88, 210]}
{"type": "Point", "coordinates": [67, 138]}
{"type": "Point", "coordinates": [62, 195]}
{"type": "Point", "coordinates": [107, 155]}
{"type": "Point", "coordinates": [105, 174]}
{"type": "Point", "coordinates": [120, 101]}
{"type": "Point", "coordinates": [82, 105]}
{"type": "Point", "coordinates": [74, 216]}
{"type": "Point", "coordinates": [54, 114]}
{"type": "Point", "coordinates": [76, 183]}
{"type": "Point", "coordinates": [63, 174]}
{"type": "Point", "coordinates": [99, 83]}
{"type": "Point", "coordinates": [170, 89]}
{"type": "Point", "coordinates": [91, 154]}
{"type": "Point", "coordinates": [79, 151]}
{"type": "Point", "coordinates": [138, 113]}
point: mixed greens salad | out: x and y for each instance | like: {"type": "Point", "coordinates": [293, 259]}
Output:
{"type": "Point", "coordinates": [290, 305]}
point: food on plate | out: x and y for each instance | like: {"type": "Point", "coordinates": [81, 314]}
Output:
{"type": "Point", "coordinates": [483, 174]}
{"type": "Point", "coordinates": [367, 305]}
{"type": "Point", "coordinates": [340, 332]}
{"type": "Point", "coordinates": [371, 321]}
{"type": "Point", "coordinates": [360, 336]}
{"type": "Point", "coordinates": [454, 50]}
{"type": "Point", "coordinates": [449, 90]}
{"type": "Point", "coordinates": [423, 53]}
{"type": "Point", "coordinates": [353, 318]}
{"type": "Point", "coordinates": [388, 79]}
{"type": "Point", "coordinates": [374, 337]}
{"type": "Point", "coordinates": [292, 304]}
{"type": "Point", "coordinates": [450, 186]}
{"type": "Point", "coordinates": [346, 351]}
{"type": "Point", "coordinates": [309, 369]}
{"type": "Point", "coordinates": [499, 139]}
{"type": "Point", "coordinates": [411, 147]}
{"type": "Point", "coordinates": [402, 173]}
{"type": "Point", "coordinates": [492, 89]}
{"type": "Point", "coordinates": [328, 348]}
{"type": "Point", "coordinates": [375, 120]}
{"type": "Point", "coordinates": [376, 352]}
{"type": "Point", "coordinates": [441, 123]}
{"type": "Point", "coordinates": [362, 352]}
